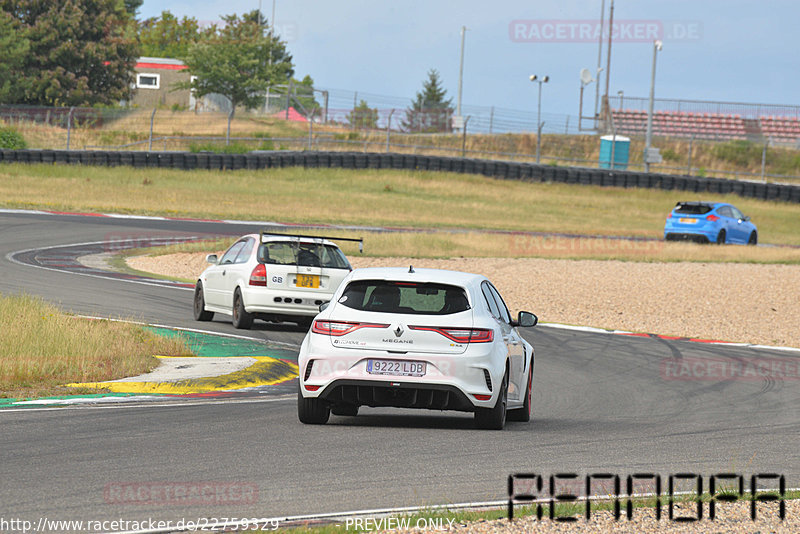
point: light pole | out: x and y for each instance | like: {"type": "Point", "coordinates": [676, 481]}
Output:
{"type": "Point", "coordinates": [540, 81]}
{"type": "Point", "coordinates": [461, 71]}
{"type": "Point", "coordinates": [599, 59]}
{"type": "Point", "coordinates": [649, 137]}
{"type": "Point", "coordinates": [586, 79]}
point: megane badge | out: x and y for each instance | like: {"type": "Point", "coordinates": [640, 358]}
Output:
{"type": "Point", "coordinates": [398, 331]}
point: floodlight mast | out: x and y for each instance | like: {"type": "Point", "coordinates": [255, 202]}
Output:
{"type": "Point", "coordinates": [539, 123]}
{"type": "Point", "coordinates": [657, 46]}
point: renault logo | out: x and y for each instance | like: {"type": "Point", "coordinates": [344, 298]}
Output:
{"type": "Point", "coordinates": [398, 331]}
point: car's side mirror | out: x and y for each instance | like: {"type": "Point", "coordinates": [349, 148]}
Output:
{"type": "Point", "coordinates": [324, 305]}
{"type": "Point", "coordinates": [212, 259]}
{"type": "Point", "coordinates": [527, 319]}
{"type": "Point", "coordinates": [747, 218]}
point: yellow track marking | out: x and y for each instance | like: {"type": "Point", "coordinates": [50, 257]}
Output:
{"type": "Point", "coordinates": [265, 372]}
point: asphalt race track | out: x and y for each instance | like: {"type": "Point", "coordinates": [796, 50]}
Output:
{"type": "Point", "coordinates": [601, 404]}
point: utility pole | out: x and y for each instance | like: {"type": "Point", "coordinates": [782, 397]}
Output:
{"type": "Point", "coordinates": [608, 60]}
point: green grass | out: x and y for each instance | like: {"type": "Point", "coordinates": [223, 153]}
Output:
{"type": "Point", "coordinates": [42, 348]}
{"type": "Point", "coordinates": [369, 197]}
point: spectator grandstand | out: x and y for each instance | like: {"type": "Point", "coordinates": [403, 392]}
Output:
{"type": "Point", "coordinates": [723, 121]}
{"type": "Point", "coordinates": [781, 129]}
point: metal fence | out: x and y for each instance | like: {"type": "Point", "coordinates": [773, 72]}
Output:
{"type": "Point", "coordinates": [178, 130]}
{"type": "Point", "coordinates": [742, 109]}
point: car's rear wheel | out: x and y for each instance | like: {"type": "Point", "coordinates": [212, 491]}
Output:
{"type": "Point", "coordinates": [241, 319]}
{"type": "Point", "coordinates": [523, 414]}
{"type": "Point", "coordinates": [494, 418]}
{"type": "Point", "coordinates": [311, 411]}
{"type": "Point", "coordinates": [753, 239]}
{"type": "Point", "coordinates": [349, 410]}
{"type": "Point", "coordinates": [721, 237]}
{"type": "Point", "coordinates": [200, 313]}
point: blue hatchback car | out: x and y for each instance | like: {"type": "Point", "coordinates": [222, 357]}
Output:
{"type": "Point", "coordinates": [709, 222]}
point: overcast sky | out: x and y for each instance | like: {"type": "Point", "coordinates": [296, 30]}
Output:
{"type": "Point", "coordinates": [732, 50]}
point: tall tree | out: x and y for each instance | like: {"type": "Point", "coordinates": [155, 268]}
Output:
{"type": "Point", "coordinates": [303, 95]}
{"type": "Point", "coordinates": [14, 47]}
{"type": "Point", "coordinates": [430, 111]}
{"type": "Point", "coordinates": [239, 62]}
{"type": "Point", "coordinates": [168, 36]}
{"type": "Point", "coordinates": [363, 116]}
{"type": "Point", "coordinates": [82, 52]}
{"type": "Point", "coordinates": [132, 7]}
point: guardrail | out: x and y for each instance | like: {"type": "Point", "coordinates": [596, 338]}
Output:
{"type": "Point", "coordinates": [506, 170]}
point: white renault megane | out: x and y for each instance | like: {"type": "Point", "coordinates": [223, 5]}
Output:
{"type": "Point", "coordinates": [426, 338]}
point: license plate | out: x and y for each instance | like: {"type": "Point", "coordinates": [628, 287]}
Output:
{"type": "Point", "coordinates": [395, 368]}
{"type": "Point", "coordinates": [307, 280]}
{"type": "Point", "coordinates": [687, 220]}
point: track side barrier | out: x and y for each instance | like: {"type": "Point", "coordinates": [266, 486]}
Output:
{"type": "Point", "coordinates": [507, 170]}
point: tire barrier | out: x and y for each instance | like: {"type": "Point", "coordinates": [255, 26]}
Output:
{"type": "Point", "coordinates": [507, 170]}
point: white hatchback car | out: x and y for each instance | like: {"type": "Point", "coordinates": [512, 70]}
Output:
{"type": "Point", "coordinates": [426, 338]}
{"type": "Point", "coordinates": [274, 277]}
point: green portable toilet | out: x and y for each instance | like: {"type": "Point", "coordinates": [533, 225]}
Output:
{"type": "Point", "coordinates": [620, 148]}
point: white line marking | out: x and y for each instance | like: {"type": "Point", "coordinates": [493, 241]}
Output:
{"type": "Point", "coordinates": [152, 403]}
{"type": "Point", "coordinates": [10, 258]}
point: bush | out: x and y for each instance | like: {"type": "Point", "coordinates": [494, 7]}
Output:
{"type": "Point", "coordinates": [233, 148]}
{"type": "Point", "coordinates": [739, 153]}
{"type": "Point", "coordinates": [11, 139]}
{"type": "Point", "coordinates": [670, 155]}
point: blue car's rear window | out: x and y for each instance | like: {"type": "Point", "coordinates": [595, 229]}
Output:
{"type": "Point", "coordinates": [693, 209]}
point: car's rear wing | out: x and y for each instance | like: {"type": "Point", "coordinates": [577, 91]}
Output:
{"type": "Point", "coordinates": [359, 240]}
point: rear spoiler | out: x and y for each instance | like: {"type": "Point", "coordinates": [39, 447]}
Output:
{"type": "Point", "coordinates": [359, 240]}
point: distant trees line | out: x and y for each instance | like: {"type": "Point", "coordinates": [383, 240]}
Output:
{"type": "Point", "coordinates": [83, 53]}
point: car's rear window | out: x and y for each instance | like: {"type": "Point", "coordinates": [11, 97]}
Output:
{"type": "Point", "coordinates": [693, 209]}
{"type": "Point", "coordinates": [303, 254]}
{"type": "Point", "coordinates": [404, 297]}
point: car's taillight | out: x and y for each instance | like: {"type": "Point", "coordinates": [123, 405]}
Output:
{"type": "Point", "coordinates": [259, 276]}
{"type": "Point", "coordinates": [461, 335]}
{"type": "Point", "coordinates": [340, 328]}
{"type": "Point", "coordinates": [712, 218]}
{"type": "Point", "coordinates": [669, 216]}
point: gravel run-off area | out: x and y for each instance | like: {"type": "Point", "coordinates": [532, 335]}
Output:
{"type": "Point", "coordinates": [729, 518]}
{"type": "Point", "coordinates": [748, 303]}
